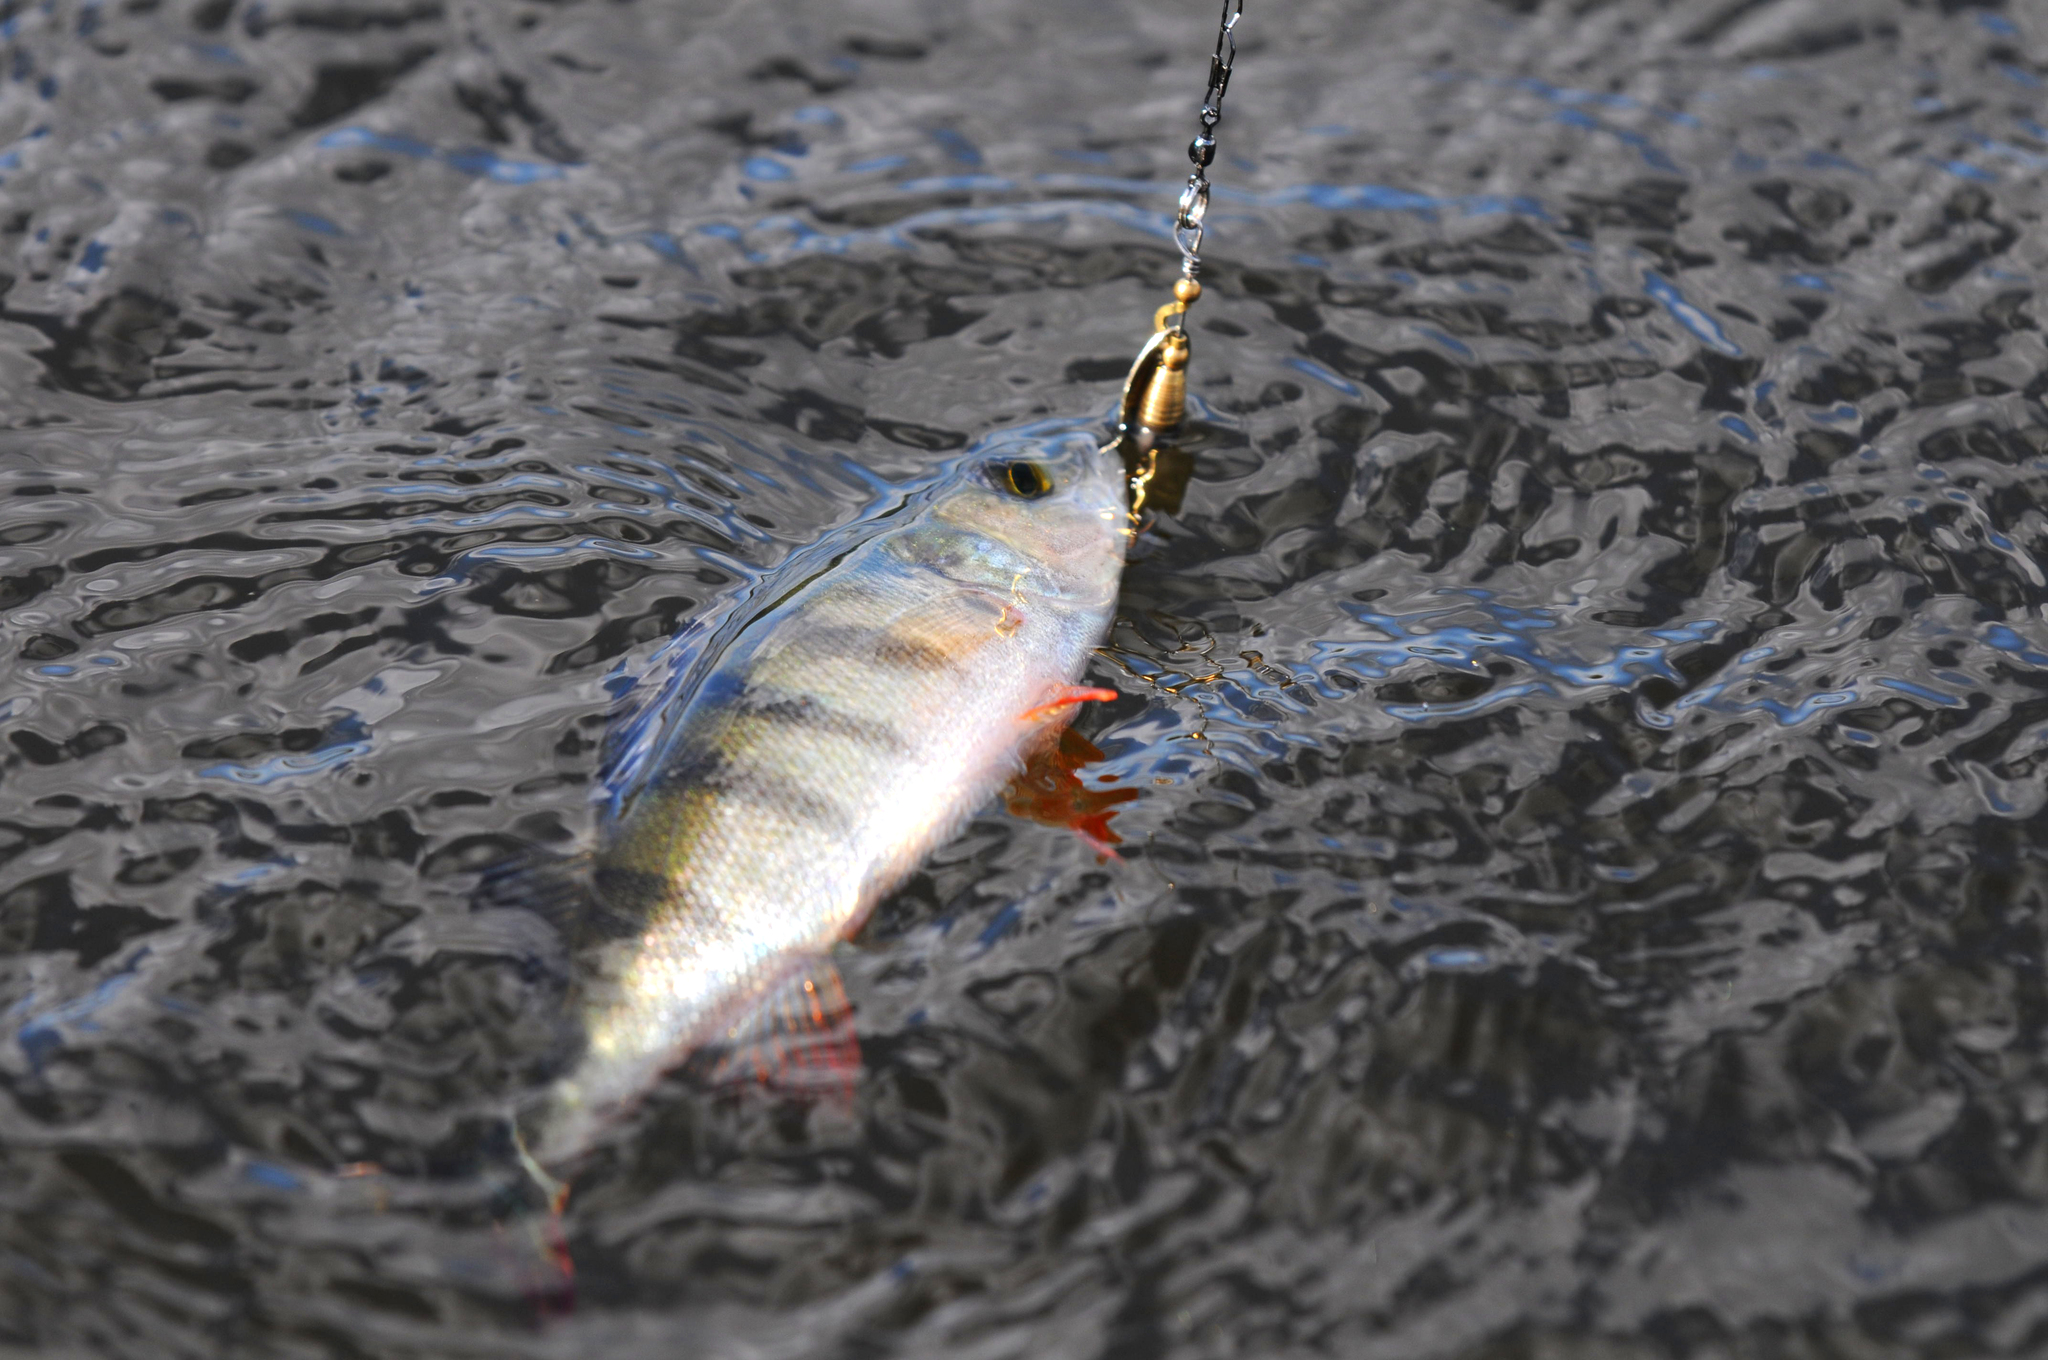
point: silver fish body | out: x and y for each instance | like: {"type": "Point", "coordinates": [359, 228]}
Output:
{"type": "Point", "coordinates": [838, 737]}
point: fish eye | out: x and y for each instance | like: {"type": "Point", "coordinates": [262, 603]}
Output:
{"type": "Point", "coordinates": [1026, 481]}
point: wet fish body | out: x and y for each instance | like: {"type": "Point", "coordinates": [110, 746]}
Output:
{"type": "Point", "coordinates": [843, 733]}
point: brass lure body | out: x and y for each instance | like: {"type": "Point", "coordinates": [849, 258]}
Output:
{"type": "Point", "coordinates": [1156, 394]}
{"type": "Point", "coordinates": [838, 737]}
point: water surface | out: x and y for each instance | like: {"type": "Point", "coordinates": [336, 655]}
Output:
{"type": "Point", "coordinates": [1586, 897]}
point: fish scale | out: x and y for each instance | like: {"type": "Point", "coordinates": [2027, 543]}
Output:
{"type": "Point", "coordinates": [842, 734]}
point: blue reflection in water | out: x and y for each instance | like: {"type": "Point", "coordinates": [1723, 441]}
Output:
{"type": "Point", "coordinates": [2006, 640]}
{"type": "Point", "coordinates": [956, 146]}
{"type": "Point", "coordinates": [272, 1177]}
{"type": "Point", "coordinates": [1325, 376]}
{"type": "Point", "coordinates": [468, 160]}
{"type": "Point", "coordinates": [1735, 691]}
{"type": "Point", "coordinates": [1508, 634]}
{"type": "Point", "coordinates": [1328, 197]}
{"type": "Point", "coordinates": [1932, 696]}
{"type": "Point", "coordinates": [1687, 314]}
{"type": "Point", "coordinates": [1642, 145]}
{"type": "Point", "coordinates": [901, 234]}
{"type": "Point", "coordinates": [312, 222]}
{"type": "Point", "coordinates": [1717, 696]}
{"type": "Point", "coordinates": [44, 1033]}
{"type": "Point", "coordinates": [957, 184]}
{"type": "Point", "coordinates": [1514, 635]}
{"type": "Point", "coordinates": [346, 739]}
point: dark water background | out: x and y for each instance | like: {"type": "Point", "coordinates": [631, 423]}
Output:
{"type": "Point", "coordinates": [1587, 895]}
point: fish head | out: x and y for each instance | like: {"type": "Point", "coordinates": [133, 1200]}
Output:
{"type": "Point", "coordinates": [1037, 513]}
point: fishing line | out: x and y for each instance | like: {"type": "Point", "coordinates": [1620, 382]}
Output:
{"type": "Point", "coordinates": [1194, 199]}
{"type": "Point", "coordinates": [1155, 392]}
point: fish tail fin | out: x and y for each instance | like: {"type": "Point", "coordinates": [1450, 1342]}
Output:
{"type": "Point", "coordinates": [533, 1249]}
{"type": "Point", "coordinates": [498, 1228]}
{"type": "Point", "coordinates": [529, 1236]}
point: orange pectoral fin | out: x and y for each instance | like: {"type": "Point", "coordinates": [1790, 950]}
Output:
{"type": "Point", "coordinates": [1067, 697]}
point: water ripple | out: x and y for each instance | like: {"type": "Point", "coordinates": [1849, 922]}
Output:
{"type": "Point", "coordinates": [1586, 702]}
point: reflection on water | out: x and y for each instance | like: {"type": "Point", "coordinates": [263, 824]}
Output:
{"type": "Point", "coordinates": [1585, 711]}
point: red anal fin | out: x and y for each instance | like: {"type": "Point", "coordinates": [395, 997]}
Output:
{"type": "Point", "coordinates": [797, 1040]}
{"type": "Point", "coordinates": [1067, 697]}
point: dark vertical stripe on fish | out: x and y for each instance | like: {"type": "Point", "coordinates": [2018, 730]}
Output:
{"type": "Point", "coordinates": [915, 654]}
{"type": "Point", "coordinates": [807, 713]}
{"type": "Point", "coordinates": [898, 653]}
{"type": "Point", "coordinates": [690, 765]}
{"type": "Point", "coordinates": [763, 788]}
{"type": "Point", "coordinates": [626, 897]}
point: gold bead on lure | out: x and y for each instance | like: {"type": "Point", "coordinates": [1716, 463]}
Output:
{"type": "Point", "coordinates": [1175, 313]}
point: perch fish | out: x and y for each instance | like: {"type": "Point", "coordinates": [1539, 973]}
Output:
{"type": "Point", "coordinates": [844, 732]}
